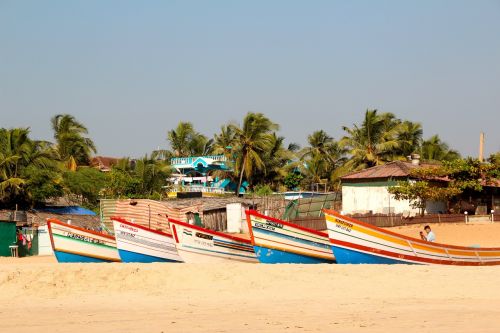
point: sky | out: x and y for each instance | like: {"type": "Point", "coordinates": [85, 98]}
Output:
{"type": "Point", "coordinates": [132, 70]}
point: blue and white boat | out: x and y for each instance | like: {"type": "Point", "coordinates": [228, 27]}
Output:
{"type": "Point", "coordinates": [137, 243]}
{"type": "Point", "coordinates": [75, 244]}
{"type": "Point", "coordinates": [280, 242]}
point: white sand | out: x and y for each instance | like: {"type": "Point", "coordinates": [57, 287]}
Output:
{"type": "Point", "coordinates": [39, 295]}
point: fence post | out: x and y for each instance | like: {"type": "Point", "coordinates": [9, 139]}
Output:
{"type": "Point", "coordinates": [492, 216]}
{"type": "Point", "coordinates": [466, 216]}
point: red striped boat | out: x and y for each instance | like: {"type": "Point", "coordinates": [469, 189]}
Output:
{"type": "Point", "coordinates": [356, 242]}
{"type": "Point", "coordinates": [137, 243]}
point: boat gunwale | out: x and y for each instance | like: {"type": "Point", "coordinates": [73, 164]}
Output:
{"type": "Point", "coordinates": [416, 240]}
{"type": "Point", "coordinates": [376, 252]}
{"type": "Point", "coordinates": [289, 224]}
{"type": "Point", "coordinates": [122, 220]}
{"type": "Point", "coordinates": [212, 232]}
{"type": "Point", "coordinates": [96, 233]}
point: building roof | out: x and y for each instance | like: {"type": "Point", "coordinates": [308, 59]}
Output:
{"type": "Point", "coordinates": [395, 169]}
{"type": "Point", "coordinates": [103, 163]}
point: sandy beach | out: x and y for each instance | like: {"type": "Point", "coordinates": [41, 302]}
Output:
{"type": "Point", "coordinates": [37, 294]}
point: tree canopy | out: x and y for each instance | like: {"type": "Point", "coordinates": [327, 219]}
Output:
{"type": "Point", "coordinates": [33, 172]}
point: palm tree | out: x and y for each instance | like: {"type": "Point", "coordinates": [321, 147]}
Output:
{"type": "Point", "coordinates": [374, 142]}
{"type": "Point", "coordinates": [17, 153]}
{"type": "Point", "coordinates": [314, 169]}
{"type": "Point", "coordinates": [72, 144]}
{"type": "Point", "coordinates": [324, 146]}
{"type": "Point", "coordinates": [14, 149]}
{"type": "Point", "coordinates": [224, 141]}
{"type": "Point", "coordinates": [319, 144]}
{"type": "Point", "coordinates": [180, 137]}
{"type": "Point", "coordinates": [278, 161]}
{"type": "Point", "coordinates": [200, 145]}
{"type": "Point", "coordinates": [152, 174]}
{"type": "Point", "coordinates": [185, 141]}
{"type": "Point", "coordinates": [253, 139]}
{"type": "Point", "coordinates": [322, 157]}
{"type": "Point", "coordinates": [410, 137]}
{"type": "Point", "coordinates": [434, 149]}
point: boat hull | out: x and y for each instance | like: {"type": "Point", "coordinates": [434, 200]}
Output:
{"type": "Point", "coordinates": [137, 243]}
{"type": "Point", "coordinates": [356, 242]}
{"type": "Point", "coordinates": [281, 242]}
{"type": "Point", "coordinates": [346, 256]}
{"type": "Point", "coordinates": [200, 245]}
{"type": "Point", "coordinates": [73, 244]}
{"type": "Point", "coordinates": [273, 256]}
{"type": "Point", "coordinates": [128, 256]}
{"type": "Point", "coordinates": [66, 257]}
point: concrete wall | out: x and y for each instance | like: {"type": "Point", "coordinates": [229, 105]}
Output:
{"type": "Point", "coordinates": [44, 246]}
{"type": "Point", "coordinates": [357, 198]}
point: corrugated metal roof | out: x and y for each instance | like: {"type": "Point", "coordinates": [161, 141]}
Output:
{"type": "Point", "coordinates": [400, 169]}
{"type": "Point", "coordinates": [393, 169]}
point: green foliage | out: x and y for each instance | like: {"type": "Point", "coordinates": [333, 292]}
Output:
{"type": "Point", "coordinates": [445, 181]}
{"type": "Point", "coordinates": [151, 174]}
{"type": "Point", "coordinates": [142, 179]}
{"type": "Point", "coordinates": [465, 174]}
{"type": "Point", "coordinates": [18, 156]}
{"type": "Point", "coordinates": [321, 158]}
{"type": "Point", "coordinates": [263, 190]}
{"type": "Point", "coordinates": [32, 172]}
{"type": "Point", "coordinates": [375, 141]}
{"type": "Point", "coordinates": [120, 184]}
{"type": "Point", "coordinates": [252, 140]}
{"type": "Point", "coordinates": [494, 167]}
{"type": "Point", "coordinates": [292, 180]}
{"type": "Point", "coordinates": [43, 184]}
{"type": "Point", "coordinates": [85, 185]}
{"type": "Point", "coordinates": [71, 139]}
{"type": "Point", "coordinates": [185, 141]}
{"type": "Point", "coordinates": [433, 149]}
{"type": "Point", "coordinates": [421, 192]}
{"type": "Point", "coordinates": [277, 164]}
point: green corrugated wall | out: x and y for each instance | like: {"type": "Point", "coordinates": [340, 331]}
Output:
{"type": "Point", "coordinates": [7, 237]}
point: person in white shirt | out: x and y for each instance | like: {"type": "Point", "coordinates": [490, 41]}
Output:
{"type": "Point", "coordinates": [430, 237]}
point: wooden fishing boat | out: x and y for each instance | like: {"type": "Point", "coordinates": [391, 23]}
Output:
{"type": "Point", "coordinates": [136, 243]}
{"type": "Point", "coordinates": [75, 244]}
{"type": "Point", "coordinates": [280, 242]}
{"type": "Point", "coordinates": [356, 242]}
{"type": "Point", "coordinates": [200, 245]}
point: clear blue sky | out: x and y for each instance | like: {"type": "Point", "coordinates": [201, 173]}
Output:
{"type": "Point", "coordinates": [131, 70]}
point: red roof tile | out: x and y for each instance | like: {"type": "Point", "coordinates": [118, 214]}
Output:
{"type": "Point", "coordinates": [103, 163]}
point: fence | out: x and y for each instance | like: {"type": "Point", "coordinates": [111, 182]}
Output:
{"type": "Point", "coordinates": [398, 220]}
{"type": "Point", "coordinates": [314, 223]}
{"type": "Point", "coordinates": [383, 221]}
{"type": "Point", "coordinates": [304, 208]}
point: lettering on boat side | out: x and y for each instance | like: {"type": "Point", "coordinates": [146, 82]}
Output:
{"type": "Point", "coordinates": [203, 242]}
{"type": "Point", "coordinates": [346, 226]}
{"type": "Point", "coordinates": [268, 225]}
{"type": "Point", "coordinates": [84, 238]}
{"type": "Point", "coordinates": [204, 236]}
{"type": "Point", "coordinates": [125, 235]}
{"type": "Point", "coordinates": [128, 227]}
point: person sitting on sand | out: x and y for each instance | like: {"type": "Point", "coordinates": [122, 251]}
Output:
{"type": "Point", "coordinates": [430, 235]}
